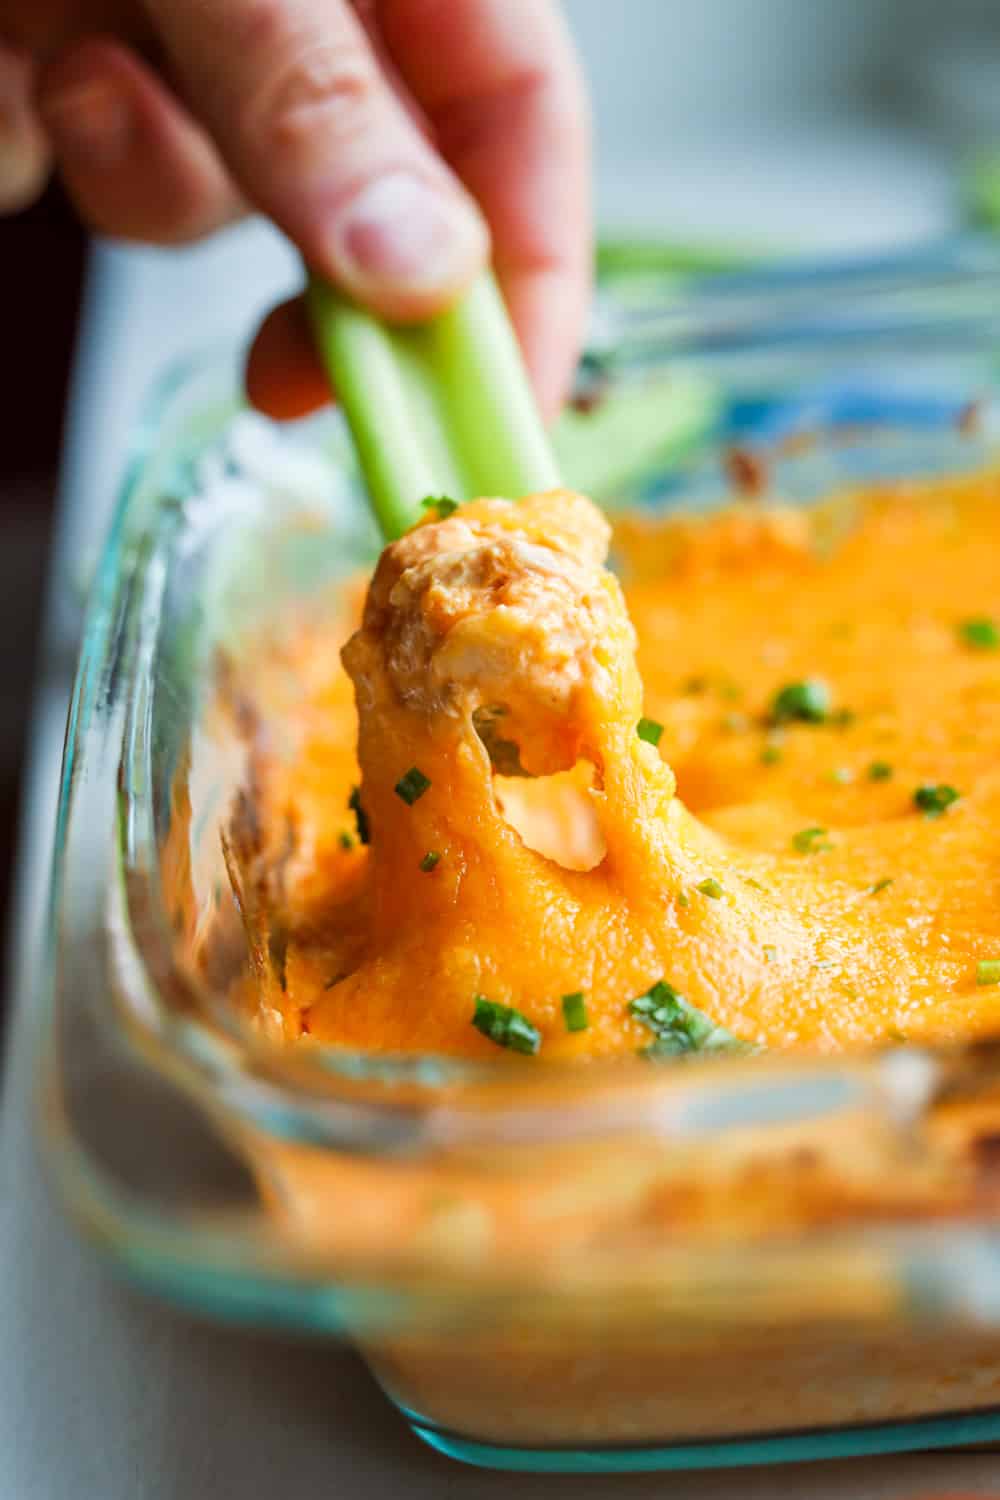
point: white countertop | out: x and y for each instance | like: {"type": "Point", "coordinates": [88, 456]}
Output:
{"type": "Point", "coordinates": [106, 1397]}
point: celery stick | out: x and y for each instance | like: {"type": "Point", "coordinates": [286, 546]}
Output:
{"type": "Point", "coordinates": [442, 407]}
{"type": "Point", "coordinates": [640, 254]}
{"type": "Point", "coordinates": [640, 428]}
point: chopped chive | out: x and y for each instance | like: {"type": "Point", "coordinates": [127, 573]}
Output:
{"type": "Point", "coordinates": [345, 839]}
{"type": "Point", "coordinates": [710, 887]}
{"type": "Point", "coordinates": [879, 770]}
{"type": "Point", "coordinates": [677, 1026]}
{"type": "Point", "coordinates": [574, 1009]}
{"type": "Point", "coordinates": [360, 816]}
{"type": "Point", "coordinates": [754, 885]}
{"type": "Point", "coordinates": [430, 861]}
{"type": "Point", "coordinates": [842, 775]}
{"type": "Point", "coordinates": [880, 885]}
{"type": "Point", "coordinates": [412, 786]}
{"type": "Point", "coordinates": [770, 755]}
{"type": "Point", "coordinates": [808, 701]}
{"type": "Point", "coordinates": [443, 504]}
{"type": "Point", "coordinates": [988, 971]}
{"type": "Point", "coordinates": [649, 730]}
{"type": "Point", "coordinates": [934, 799]}
{"type": "Point", "coordinates": [806, 841]}
{"type": "Point", "coordinates": [683, 899]}
{"type": "Point", "coordinates": [770, 953]}
{"type": "Point", "coordinates": [506, 1026]}
{"type": "Point", "coordinates": [981, 633]}
{"type": "Point", "coordinates": [660, 993]}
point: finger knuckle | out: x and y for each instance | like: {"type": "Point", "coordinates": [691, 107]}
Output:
{"type": "Point", "coordinates": [310, 86]}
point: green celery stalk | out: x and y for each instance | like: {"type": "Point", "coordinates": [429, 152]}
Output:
{"type": "Point", "coordinates": [436, 408]}
{"type": "Point", "coordinates": [640, 428]}
{"type": "Point", "coordinates": [642, 255]}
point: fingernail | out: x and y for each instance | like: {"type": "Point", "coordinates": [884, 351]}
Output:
{"type": "Point", "coordinates": [90, 120]}
{"type": "Point", "coordinates": [403, 233]}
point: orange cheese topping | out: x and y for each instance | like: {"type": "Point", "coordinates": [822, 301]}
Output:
{"type": "Point", "coordinates": [775, 869]}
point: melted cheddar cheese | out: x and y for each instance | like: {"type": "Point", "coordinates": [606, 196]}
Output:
{"type": "Point", "coordinates": [788, 856]}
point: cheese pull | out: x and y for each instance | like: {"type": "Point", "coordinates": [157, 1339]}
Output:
{"type": "Point", "coordinates": [498, 700]}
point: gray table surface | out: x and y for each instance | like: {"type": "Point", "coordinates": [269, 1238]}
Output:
{"type": "Point", "coordinates": [104, 1396]}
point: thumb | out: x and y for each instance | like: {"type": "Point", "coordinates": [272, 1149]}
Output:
{"type": "Point", "coordinates": [311, 129]}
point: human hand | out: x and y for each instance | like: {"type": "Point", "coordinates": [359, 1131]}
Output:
{"type": "Point", "coordinates": [390, 139]}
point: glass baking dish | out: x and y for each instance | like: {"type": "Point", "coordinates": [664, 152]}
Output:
{"type": "Point", "coordinates": [473, 1228]}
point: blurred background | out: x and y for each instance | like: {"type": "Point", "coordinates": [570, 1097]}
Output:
{"type": "Point", "coordinates": [833, 124]}
{"type": "Point", "coordinates": [806, 125]}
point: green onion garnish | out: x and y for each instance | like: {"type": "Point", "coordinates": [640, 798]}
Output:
{"type": "Point", "coordinates": [808, 701]}
{"type": "Point", "coordinates": [443, 504]}
{"type": "Point", "coordinates": [934, 799]}
{"type": "Point", "coordinates": [710, 887]}
{"type": "Point", "coordinates": [574, 1009]}
{"type": "Point", "coordinates": [981, 633]}
{"type": "Point", "coordinates": [430, 861]}
{"type": "Point", "coordinates": [678, 1026]}
{"type": "Point", "coordinates": [880, 885]}
{"type": "Point", "coordinates": [345, 839]}
{"type": "Point", "coordinates": [683, 899]}
{"type": "Point", "coordinates": [412, 786]}
{"type": "Point", "coordinates": [806, 841]}
{"type": "Point", "coordinates": [879, 770]}
{"type": "Point", "coordinates": [649, 730]}
{"type": "Point", "coordinates": [988, 971]}
{"type": "Point", "coordinates": [506, 1026]}
{"type": "Point", "coordinates": [360, 816]}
